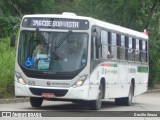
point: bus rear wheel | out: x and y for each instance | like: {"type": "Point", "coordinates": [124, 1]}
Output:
{"type": "Point", "coordinates": [127, 101]}
{"type": "Point", "coordinates": [96, 104]}
{"type": "Point", "coordinates": [36, 102]}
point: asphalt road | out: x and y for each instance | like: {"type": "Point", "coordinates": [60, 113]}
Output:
{"type": "Point", "coordinates": [145, 107]}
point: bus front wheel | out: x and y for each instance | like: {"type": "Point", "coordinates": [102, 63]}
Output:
{"type": "Point", "coordinates": [96, 104]}
{"type": "Point", "coordinates": [36, 102]}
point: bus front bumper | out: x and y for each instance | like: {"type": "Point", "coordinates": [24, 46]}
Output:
{"type": "Point", "coordinates": [80, 93]}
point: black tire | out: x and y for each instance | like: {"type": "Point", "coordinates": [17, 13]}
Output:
{"type": "Point", "coordinates": [96, 104]}
{"type": "Point", "coordinates": [36, 102]}
{"type": "Point", "coordinates": [127, 101]}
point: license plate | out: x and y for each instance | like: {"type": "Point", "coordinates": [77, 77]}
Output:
{"type": "Point", "coordinates": [48, 95]}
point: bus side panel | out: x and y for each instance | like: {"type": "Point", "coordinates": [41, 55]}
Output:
{"type": "Point", "coordinates": [115, 86]}
{"type": "Point", "coordinates": [94, 83]}
{"type": "Point", "coordinates": [123, 80]}
{"type": "Point", "coordinates": [142, 86]}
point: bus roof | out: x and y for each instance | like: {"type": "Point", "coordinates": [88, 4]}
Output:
{"type": "Point", "coordinates": [118, 28]}
{"type": "Point", "coordinates": [93, 21]}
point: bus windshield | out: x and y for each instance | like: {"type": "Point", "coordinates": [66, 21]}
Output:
{"type": "Point", "coordinates": [53, 51]}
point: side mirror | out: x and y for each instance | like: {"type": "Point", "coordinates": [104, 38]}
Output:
{"type": "Point", "coordinates": [98, 41]}
{"type": "Point", "coordinates": [13, 40]}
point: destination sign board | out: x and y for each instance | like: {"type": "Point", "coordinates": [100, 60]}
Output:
{"type": "Point", "coordinates": [55, 23]}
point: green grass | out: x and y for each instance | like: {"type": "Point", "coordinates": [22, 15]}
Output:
{"type": "Point", "coordinates": [7, 60]}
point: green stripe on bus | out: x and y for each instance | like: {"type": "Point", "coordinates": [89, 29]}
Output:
{"type": "Point", "coordinates": [142, 69]}
{"type": "Point", "coordinates": [109, 65]}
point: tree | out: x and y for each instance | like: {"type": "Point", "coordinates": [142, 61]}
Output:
{"type": "Point", "coordinates": [11, 16]}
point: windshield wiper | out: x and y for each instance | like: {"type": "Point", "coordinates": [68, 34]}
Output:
{"type": "Point", "coordinates": [60, 42]}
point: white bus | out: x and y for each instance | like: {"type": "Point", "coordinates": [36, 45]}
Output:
{"type": "Point", "coordinates": [75, 58]}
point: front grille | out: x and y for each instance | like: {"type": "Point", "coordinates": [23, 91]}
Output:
{"type": "Point", "coordinates": [57, 92]}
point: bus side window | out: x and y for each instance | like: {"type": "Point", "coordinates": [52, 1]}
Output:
{"type": "Point", "coordinates": [96, 44]}
{"type": "Point", "coordinates": [94, 49]}
{"type": "Point", "coordinates": [137, 50]}
{"type": "Point", "coordinates": [130, 49]}
{"type": "Point", "coordinates": [133, 53]}
{"type": "Point", "coordinates": [122, 47]}
{"type": "Point", "coordinates": [104, 41]}
{"type": "Point", "coordinates": [144, 51]}
{"type": "Point", "coordinates": [114, 45]}
{"type": "Point", "coordinates": [109, 45]}
{"type": "Point", "coordinates": [126, 48]}
{"type": "Point", "coordinates": [118, 46]}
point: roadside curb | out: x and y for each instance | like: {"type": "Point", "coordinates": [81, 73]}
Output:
{"type": "Point", "coordinates": [14, 100]}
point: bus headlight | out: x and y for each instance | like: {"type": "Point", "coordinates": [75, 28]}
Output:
{"type": "Point", "coordinates": [80, 81]}
{"type": "Point", "coordinates": [20, 79]}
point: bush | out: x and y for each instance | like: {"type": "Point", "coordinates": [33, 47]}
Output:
{"type": "Point", "coordinates": [7, 60]}
{"type": "Point", "coordinates": [7, 24]}
{"type": "Point", "coordinates": [154, 63]}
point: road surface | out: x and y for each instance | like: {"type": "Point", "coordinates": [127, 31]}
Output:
{"type": "Point", "coordinates": [145, 107]}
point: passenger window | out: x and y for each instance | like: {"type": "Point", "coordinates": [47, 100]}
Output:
{"type": "Point", "coordinates": [104, 37]}
{"type": "Point", "coordinates": [104, 40]}
{"type": "Point", "coordinates": [114, 46]}
{"type": "Point", "coordinates": [144, 51]}
{"type": "Point", "coordinates": [137, 52]}
{"type": "Point", "coordinates": [122, 47]}
{"type": "Point", "coordinates": [130, 49]}
{"type": "Point", "coordinates": [122, 41]}
{"type": "Point", "coordinates": [130, 42]}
